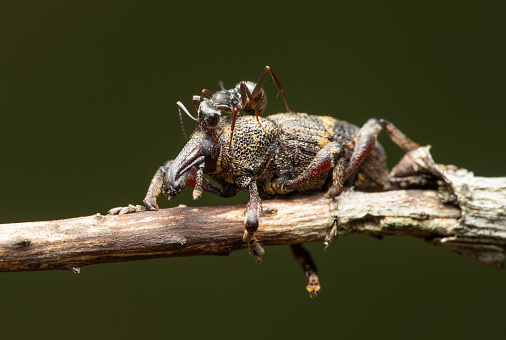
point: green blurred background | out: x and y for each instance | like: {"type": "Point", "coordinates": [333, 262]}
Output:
{"type": "Point", "coordinates": [87, 114]}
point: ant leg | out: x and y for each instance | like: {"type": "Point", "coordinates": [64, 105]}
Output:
{"type": "Point", "coordinates": [200, 99]}
{"type": "Point", "coordinates": [232, 126]}
{"type": "Point", "coordinates": [246, 93]}
{"type": "Point", "coordinates": [207, 93]}
{"type": "Point", "coordinates": [196, 103]}
{"type": "Point", "coordinates": [302, 256]}
{"type": "Point", "coordinates": [261, 80]}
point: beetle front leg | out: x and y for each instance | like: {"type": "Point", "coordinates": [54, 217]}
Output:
{"type": "Point", "coordinates": [155, 187]}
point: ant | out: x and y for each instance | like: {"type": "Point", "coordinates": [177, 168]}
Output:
{"type": "Point", "coordinates": [246, 96]}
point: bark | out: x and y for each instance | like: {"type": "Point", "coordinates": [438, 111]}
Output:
{"type": "Point", "coordinates": [466, 214]}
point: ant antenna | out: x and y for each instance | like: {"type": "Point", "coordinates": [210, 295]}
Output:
{"type": "Point", "coordinates": [179, 107]}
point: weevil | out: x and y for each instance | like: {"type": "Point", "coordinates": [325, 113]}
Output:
{"type": "Point", "coordinates": [289, 152]}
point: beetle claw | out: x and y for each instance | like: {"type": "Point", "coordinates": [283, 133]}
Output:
{"type": "Point", "coordinates": [255, 249]}
{"type": "Point", "coordinates": [126, 210]}
{"type": "Point", "coordinates": [313, 286]}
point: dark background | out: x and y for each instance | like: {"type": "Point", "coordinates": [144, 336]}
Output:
{"type": "Point", "coordinates": [87, 114]}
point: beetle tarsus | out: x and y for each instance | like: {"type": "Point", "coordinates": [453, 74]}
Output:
{"type": "Point", "coordinates": [304, 258]}
{"type": "Point", "coordinates": [313, 286]}
{"type": "Point", "coordinates": [126, 210]}
{"type": "Point", "coordinates": [334, 223]}
{"type": "Point", "coordinates": [255, 249]}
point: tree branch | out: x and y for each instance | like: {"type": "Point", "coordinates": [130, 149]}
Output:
{"type": "Point", "coordinates": [474, 225]}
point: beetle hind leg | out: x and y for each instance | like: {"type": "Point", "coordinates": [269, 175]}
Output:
{"type": "Point", "coordinates": [366, 142]}
{"type": "Point", "coordinates": [302, 256]}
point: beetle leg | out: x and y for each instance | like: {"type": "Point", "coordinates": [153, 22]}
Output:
{"type": "Point", "coordinates": [334, 222]}
{"type": "Point", "coordinates": [153, 191]}
{"type": "Point", "coordinates": [156, 186]}
{"type": "Point", "coordinates": [399, 138]}
{"type": "Point", "coordinates": [335, 190]}
{"type": "Point", "coordinates": [337, 178]}
{"type": "Point", "coordinates": [252, 213]}
{"type": "Point", "coordinates": [197, 189]}
{"type": "Point", "coordinates": [366, 141]}
{"type": "Point", "coordinates": [324, 160]}
{"type": "Point", "coordinates": [302, 256]}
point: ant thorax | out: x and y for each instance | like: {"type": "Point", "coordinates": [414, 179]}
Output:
{"type": "Point", "coordinates": [227, 100]}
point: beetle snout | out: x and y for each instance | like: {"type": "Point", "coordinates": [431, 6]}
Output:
{"type": "Point", "coordinates": [173, 185]}
{"type": "Point", "coordinates": [171, 191]}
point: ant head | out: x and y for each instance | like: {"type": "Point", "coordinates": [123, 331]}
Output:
{"type": "Point", "coordinates": [208, 115]}
{"type": "Point", "coordinates": [226, 100]}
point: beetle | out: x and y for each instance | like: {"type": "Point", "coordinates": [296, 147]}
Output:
{"type": "Point", "coordinates": [289, 152]}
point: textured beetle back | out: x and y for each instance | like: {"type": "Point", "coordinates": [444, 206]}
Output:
{"type": "Point", "coordinates": [252, 147]}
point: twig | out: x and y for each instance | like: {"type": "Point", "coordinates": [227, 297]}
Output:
{"type": "Point", "coordinates": [474, 225]}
